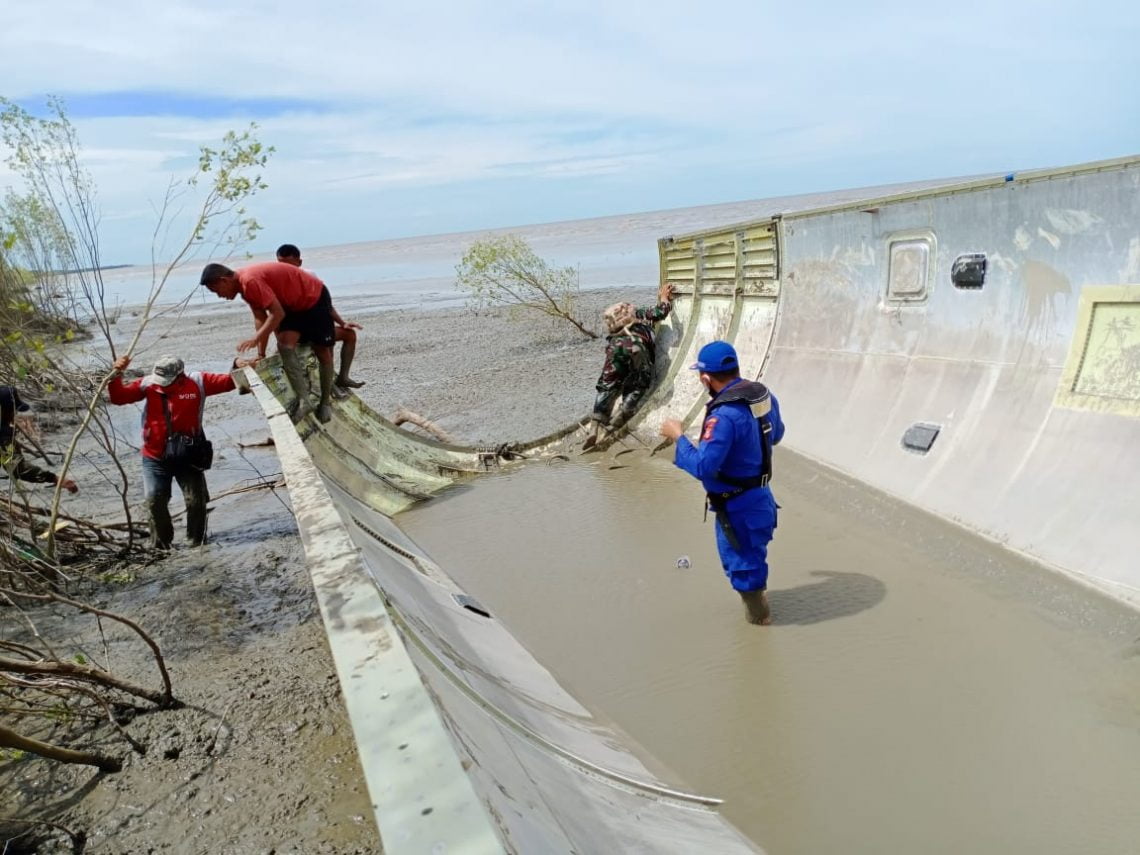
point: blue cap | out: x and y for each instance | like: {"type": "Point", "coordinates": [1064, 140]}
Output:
{"type": "Point", "coordinates": [716, 356]}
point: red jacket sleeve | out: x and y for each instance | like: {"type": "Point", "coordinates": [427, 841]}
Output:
{"type": "Point", "coordinates": [216, 384]}
{"type": "Point", "coordinates": [125, 393]}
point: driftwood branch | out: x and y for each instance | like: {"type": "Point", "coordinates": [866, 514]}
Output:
{"type": "Point", "coordinates": [110, 713]}
{"type": "Point", "coordinates": [10, 739]}
{"type": "Point", "coordinates": [407, 416]}
{"type": "Point", "coordinates": [261, 443]}
{"type": "Point", "coordinates": [49, 668]}
{"type": "Point", "coordinates": [268, 482]}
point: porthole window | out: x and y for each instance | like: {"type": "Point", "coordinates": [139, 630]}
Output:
{"type": "Point", "coordinates": [908, 275]}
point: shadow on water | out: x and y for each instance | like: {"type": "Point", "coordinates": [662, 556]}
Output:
{"type": "Point", "coordinates": [838, 595]}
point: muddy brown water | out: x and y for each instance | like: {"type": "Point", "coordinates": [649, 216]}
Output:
{"type": "Point", "coordinates": [921, 689]}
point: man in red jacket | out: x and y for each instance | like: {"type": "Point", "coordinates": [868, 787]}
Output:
{"type": "Point", "coordinates": [172, 434]}
{"type": "Point", "coordinates": [295, 306]}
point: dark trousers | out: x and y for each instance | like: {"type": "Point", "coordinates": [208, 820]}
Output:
{"type": "Point", "coordinates": [157, 479]}
{"type": "Point", "coordinates": [22, 469]}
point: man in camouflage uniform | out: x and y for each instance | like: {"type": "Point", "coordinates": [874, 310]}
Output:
{"type": "Point", "coordinates": [630, 357]}
{"type": "Point", "coordinates": [11, 455]}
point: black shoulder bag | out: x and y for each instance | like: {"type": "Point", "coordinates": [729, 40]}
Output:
{"type": "Point", "coordinates": [186, 449]}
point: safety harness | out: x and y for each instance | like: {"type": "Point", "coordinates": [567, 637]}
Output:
{"type": "Point", "coordinates": [759, 401]}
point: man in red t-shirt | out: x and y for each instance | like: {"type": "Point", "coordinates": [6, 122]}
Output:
{"type": "Point", "coordinates": [295, 306]}
{"type": "Point", "coordinates": [174, 404]}
{"type": "Point", "coordinates": [345, 331]}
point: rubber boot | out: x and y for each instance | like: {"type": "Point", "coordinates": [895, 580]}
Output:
{"type": "Point", "coordinates": [324, 409]}
{"type": "Point", "coordinates": [161, 525]}
{"type": "Point", "coordinates": [197, 496]}
{"type": "Point", "coordinates": [299, 381]}
{"type": "Point", "coordinates": [629, 404]}
{"type": "Point", "coordinates": [756, 609]}
{"type": "Point", "coordinates": [595, 434]}
{"type": "Point", "coordinates": [347, 352]}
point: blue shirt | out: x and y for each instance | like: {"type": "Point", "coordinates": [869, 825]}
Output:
{"type": "Point", "coordinates": [729, 444]}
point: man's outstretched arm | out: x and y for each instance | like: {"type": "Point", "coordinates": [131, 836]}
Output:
{"type": "Point", "coordinates": [124, 393]}
{"type": "Point", "coordinates": [270, 319]}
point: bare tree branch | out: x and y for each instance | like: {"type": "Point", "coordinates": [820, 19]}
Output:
{"type": "Point", "coordinates": [10, 739]}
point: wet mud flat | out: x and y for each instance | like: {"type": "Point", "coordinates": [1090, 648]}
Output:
{"type": "Point", "coordinates": [262, 757]}
{"type": "Point", "coordinates": [921, 689]}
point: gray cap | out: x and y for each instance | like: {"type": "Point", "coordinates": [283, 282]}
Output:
{"type": "Point", "coordinates": [166, 370]}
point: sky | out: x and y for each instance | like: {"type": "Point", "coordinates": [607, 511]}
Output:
{"type": "Point", "coordinates": [393, 119]}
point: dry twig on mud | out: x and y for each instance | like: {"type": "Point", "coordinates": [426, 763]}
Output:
{"type": "Point", "coordinates": [268, 482]}
{"type": "Point", "coordinates": [268, 442]}
{"type": "Point", "coordinates": [78, 838]}
{"type": "Point", "coordinates": [71, 529]}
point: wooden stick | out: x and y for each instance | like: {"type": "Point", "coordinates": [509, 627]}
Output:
{"type": "Point", "coordinates": [419, 421]}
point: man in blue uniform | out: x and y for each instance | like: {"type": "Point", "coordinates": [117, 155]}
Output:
{"type": "Point", "coordinates": [734, 463]}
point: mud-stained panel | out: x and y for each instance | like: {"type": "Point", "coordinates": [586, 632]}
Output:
{"type": "Point", "coordinates": [1103, 369]}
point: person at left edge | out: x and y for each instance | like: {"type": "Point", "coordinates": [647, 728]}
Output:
{"type": "Point", "coordinates": [12, 408]}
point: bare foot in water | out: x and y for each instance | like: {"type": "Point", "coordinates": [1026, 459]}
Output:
{"type": "Point", "coordinates": [756, 608]}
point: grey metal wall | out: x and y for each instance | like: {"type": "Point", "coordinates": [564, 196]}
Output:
{"type": "Point", "coordinates": [1056, 478]}
{"type": "Point", "coordinates": [1033, 382]}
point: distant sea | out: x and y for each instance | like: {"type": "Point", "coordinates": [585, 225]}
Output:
{"type": "Point", "coordinates": [414, 272]}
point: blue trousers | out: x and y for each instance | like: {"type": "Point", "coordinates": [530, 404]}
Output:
{"type": "Point", "coordinates": [753, 523]}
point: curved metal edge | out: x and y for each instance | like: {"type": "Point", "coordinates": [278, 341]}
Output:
{"type": "Point", "coordinates": [270, 363]}
{"type": "Point", "coordinates": [580, 763]}
{"type": "Point", "coordinates": [373, 663]}
{"type": "Point", "coordinates": [951, 188]}
{"type": "Point", "coordinates": [392, 715]}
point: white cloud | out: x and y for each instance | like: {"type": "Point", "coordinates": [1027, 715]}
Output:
{"type": "Point", "coordinates": [661, 59]}
{"type": "Point", "coordinates": [619, 106]}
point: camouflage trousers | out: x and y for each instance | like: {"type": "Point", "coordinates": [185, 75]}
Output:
{"type": "Point", "coordinates": [630, 385]}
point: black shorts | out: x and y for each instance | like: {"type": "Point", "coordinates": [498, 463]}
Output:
{"type": "Point", "coordinates": [315, 325]}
